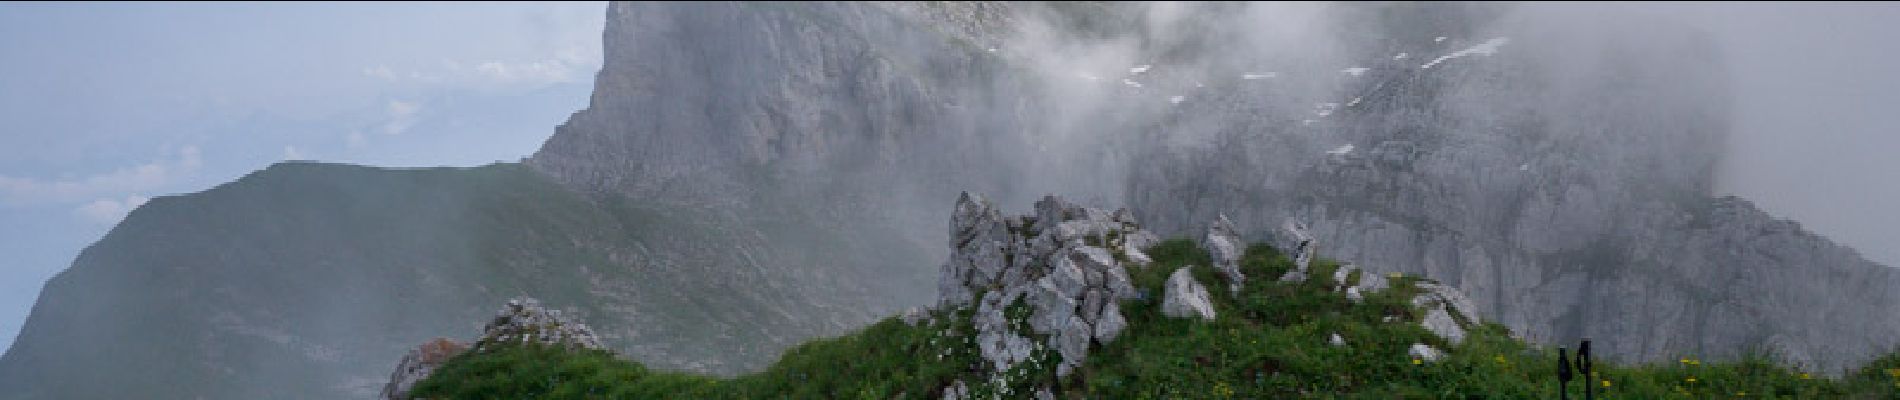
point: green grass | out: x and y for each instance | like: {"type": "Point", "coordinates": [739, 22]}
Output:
{"type": "Point", "coordinates": [1268, 342]}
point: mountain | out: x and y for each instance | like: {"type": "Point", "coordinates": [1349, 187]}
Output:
{"type": "Point", "coordinates": [1079, 302]}
{"type": "Point", "coordinates": [750, 175]}
{"type": "Point", "coordinates": [303, 278]}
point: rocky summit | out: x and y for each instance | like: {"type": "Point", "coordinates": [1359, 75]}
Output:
{"type": "Point", "coordinates": [1065, 264]}
{"type": "Point", "coordinates": [522, 322]}
{"type": "Point", "coordinates": [1053, 281]}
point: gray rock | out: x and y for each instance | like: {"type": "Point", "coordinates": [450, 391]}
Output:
{"type": "Point", "coordinates": [1439, 322]}
{"type": "Point", "coordinates": [1447, 297]}
{"type": "Point", "coordinates": [1110, 323]}
{"type": "Point", "coordinates": [1050, 260]}
{"type": "Point", "coordinates": [1072, 342]}
{"type": "Point", "coordinates": [1140, 240]}
{"type": "Point", "coordinates": [1335, 340]}
{"type": "Point", "coordinates": [1185, 297]}
{"type": "Point", "coordinates": [956, 391]}
{"type": "Point", "coordinates": [915, 316]}
{"type": "Point", "coordinates": [1421, 352]}
{"type": "Point", "coordinates": [417, 365]}
{"type": "Point", "coordinates": [1299, 244]}
{"type": "Point", "coordinates": [1342, 274]}
{"type": "Point", "coordinates": [523, 320]}
{"type": "Point", "coordinates": [1224, 245]}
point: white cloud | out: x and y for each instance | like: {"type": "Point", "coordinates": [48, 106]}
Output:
{"type": "Point", "coordinates": [291, 153]}
{"type": "Point", "coordinates": [108, 211]}
{"type": "Point", "coordinates": [138, 178]}
{"type": "Point", "coordinates": [402, 115]}
{"type": "Point", "coordinates": [381, 72]}
{"type": "Point", "coordinates": [355, 140]}
{"type": "Point", "coordinates": [399, 108]}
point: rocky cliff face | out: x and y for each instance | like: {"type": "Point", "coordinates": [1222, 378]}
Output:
{"type": "Point", "coordinates": [1558, 171]}
{"type": "Point", "coordinates": [1568, 194]}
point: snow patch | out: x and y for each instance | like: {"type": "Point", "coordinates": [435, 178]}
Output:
{"type": "Point", "coordinates": [1355, 71]}
{"type": "Point", "coordinates": [1140, 69]}
{"type": "Point", "coordinates": [1131, 83]}
{"type": "Point", "coordinates": [1401, 56]}
{"type": "Point", "coordinates": [1176, 99]}
{"type": "Point", "coordinates": [1263, 75]}
{"type": "Point", "coordinates": [1487, 48]}
{"type": "Point", "coordinates": [1325, 109]}
{"type": "Point", "coordinates": [1341, 150]}
{"type": "Point", "coordinates": [1439, 39]}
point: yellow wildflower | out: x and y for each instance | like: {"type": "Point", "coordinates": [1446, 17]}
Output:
{"type": "Point", "coordinates": [1690, 380]}
{"type": "Point", "coordinates": [1743, 393]}
{"type": "Point", "coordinates": [1393, 275]}
{"type": "Point", "coordinates": [1500, 359]}
{"type": "Point", "coordinates": [1417, 361]}
{"type": "Point", "coordinates": [1805, 376]}
{"type": "Point", "coordinates": [1893, 372]}
{"type": "Point", "coordinates": [1606, 383]}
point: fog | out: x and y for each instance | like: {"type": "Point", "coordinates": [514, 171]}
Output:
{"type": "Point", "coordinates": [1801, 92]}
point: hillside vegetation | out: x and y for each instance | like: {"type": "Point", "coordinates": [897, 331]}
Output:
{"type": "Point", "coordinates": [1270, 341]}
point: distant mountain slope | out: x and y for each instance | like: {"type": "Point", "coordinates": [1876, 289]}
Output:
{"type": "Point", "coordinates": [302, 279]}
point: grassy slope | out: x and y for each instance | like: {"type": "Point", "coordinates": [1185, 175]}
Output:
{"type": "Point", "coordinates": [1268, 343]}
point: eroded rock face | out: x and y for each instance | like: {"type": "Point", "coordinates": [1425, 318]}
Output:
{"type": "Point", "coordinates": [418, 364]}
{"type": "Point", "coordinates": [1186, 297]}
{"type": "Point", "coordinates": [1065, 263]}
{"type": "Point", "coordinates": [524, 321]}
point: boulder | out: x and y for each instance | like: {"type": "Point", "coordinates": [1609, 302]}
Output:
{"type": "Point", "coordinates": [1110, 323]}
{"type": "Point", "coordinates": [1421, 352]}
{"type": "Point", "coordinates": [1223, 244]}
{"type": "Point", "coordinates": [1440, 304]}
{"type": "Point", "coordinates": [1296, 242]}
{"type": "Point", "coordinates": [1185, 297]}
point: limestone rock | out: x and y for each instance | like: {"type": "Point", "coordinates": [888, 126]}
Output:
{"type": "Point", "coordinates": [1060, 261]}
{"type": "Point", "coordinates": [1422, 352]}
{"type": "Point", "coordinates": [1440, 304]}
{"type": "Point", "coordinates": [1186, 297]}
{"type": "Point", "coordinates": [1296, 242]}
{"type": "Point", "coordinates": [418, 364]}
{"type": "Point", "coordinates": [915, 316]}
{"type": "Point", "coordinates": [523, 321]}
{"type": "Point", "coordinates": [956, 391]}
{"type": "Point", "coordinates": [1110, 323]}
{"type": "Point", "coordinates": [1440, 323]}
{"type": "Point", "coordinates": [1223, 244]}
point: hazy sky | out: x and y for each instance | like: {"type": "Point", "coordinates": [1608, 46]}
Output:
{"type": "Point", "coordinates": [105, 105]}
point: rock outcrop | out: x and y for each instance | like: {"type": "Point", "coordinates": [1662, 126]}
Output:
{"type": "Point", "coordinates": [418, 364]}
{"type": "Point", "coordinates": [1065, 265]}
{"type": "Point", "coordinates": [521, 322]}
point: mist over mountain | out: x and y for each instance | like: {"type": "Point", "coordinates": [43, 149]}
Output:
{"type": "Point", "coordinates": [747, 176]}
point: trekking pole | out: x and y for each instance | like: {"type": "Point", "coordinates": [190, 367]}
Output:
{"type": "Point", "coordinates": [1583, 366]}
{"type": "Point", "coordinates": [1563, 373]}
